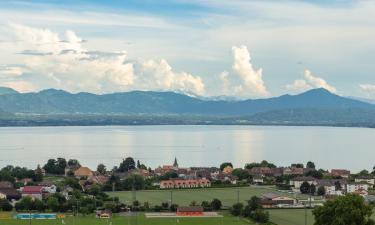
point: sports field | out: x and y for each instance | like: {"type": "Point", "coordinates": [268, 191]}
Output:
{"type": "Point", "coordinates": [138, 220]}
{"type": "Point", "coordinates": [228, 196]}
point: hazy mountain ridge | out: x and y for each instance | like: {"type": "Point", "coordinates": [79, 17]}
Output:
{"type": "Point", "coordinates": [313, 107]}
{"type": "Point", "coordinates": [53, 101]}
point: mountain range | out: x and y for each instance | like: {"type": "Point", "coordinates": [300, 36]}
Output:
{"type": "Point", "coordinates": [314, 107]}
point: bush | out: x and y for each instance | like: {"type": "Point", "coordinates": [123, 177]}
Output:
{"type": "Point", "coordinates": [236, 209]}
{"type": "Point", "coordinates": [216, 204]}
{"type": "Point", "coordinates": [5, 205]}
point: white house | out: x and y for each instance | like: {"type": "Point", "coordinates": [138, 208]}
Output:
{"type": "Point", "coordinates": [298, 181]}
{"type": "Point", "coordinates": [369, 180]}
{"type": "Point", "coordinates": [360, 188]}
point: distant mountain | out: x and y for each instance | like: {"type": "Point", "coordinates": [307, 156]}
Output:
{"type": "Point", "coordinates": [313, 116]}
{"type": "Point", "coordinates": [53, 101]}
{"type": "Point", "coordinates": [5, 91]}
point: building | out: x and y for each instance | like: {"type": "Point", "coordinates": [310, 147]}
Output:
{"type": "Point", "coordinates": [260, 171]}
{"type": "Point", "coordinates": [6, 184]}
{"type": "Point", "coordinates": [272, 200]}
{"type": "Point", "coordinates": [258, 179]}
{"type": "Point", "coordinates": [190, 211]}
{"type": "Point", "coordinates": [298, 181]}
{"type": "Point", "coordinates": [369, 180]}
{"type": "Point", "coordinates": [177, 183]}
{"type": "Point", "coordinates": [358, 188]}
{"type": "Point", "coordinates": [10, 193]}
{"type": "Point", "coordinates": [83, 172]}
{"type": "Point", "coordinates": [293, 171]}
{"type": "Point", "coordinates": [340, 173]}
{"type": "Point", "coordinates": [330, 186]}
{"type": "Point", "coordinates": [32, 191]}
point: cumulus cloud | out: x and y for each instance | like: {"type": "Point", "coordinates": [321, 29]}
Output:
{"type": "Point", "coordinates": [368, 90]}
{"type": "Point", "coordinates": [310, 81]}
{"type": "Point", "coordinates": [252, 81]}
{"type": "Point", "coordinates": [61, 61]}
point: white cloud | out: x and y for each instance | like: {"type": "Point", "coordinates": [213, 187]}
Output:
{"type": "Point", "coordinates": [160, 76]}
{"type": "Point", "coordinates": [309, 82]}
{"type": "Point", "coordinates": [64, 63]}
{"type": "Point", "coordinates": [368, 90]}
{"type": "Point", "coordinates": [252, 83]}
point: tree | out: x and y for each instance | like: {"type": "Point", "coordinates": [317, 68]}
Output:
{"type": "Point", "coordinates": [74, 163]}
{"type": "Point", "coordinates": [134, 181]}
{"type": "Point", "coordinates": [305, 187]}
{"type": "Point", "coordinates": [263, 163]}
{"type": "Point", "coordinates": [101, 169]}
{"type": "Point", "coordinates": [138, 164]}
{"type": "Point", "coordinates": [314, 173]}
{"type": "Point", "coordinates": [310, 165]}
{"type": "Point", "coordinates": [236, 209]}
{"type": "Point", "coordinates": [297, 165]}
{"type": "Point", "coordinates": [53, 204]}
{"type": "Point", "coordinates": [312, 189]}
{"type": "Point", "coordinates": [225, 164]}
{"type": "Point", "coordinates": [241, 173]}
{"type": "Point", "coordinates": [260, 216]}
{"type": "Point", "coordinates": [344, 210]}
{"type": "Point", "coordinates": [206, 205]}
{"type": "Point", "coordinates": [216, 204]}
{"type": "Point", "coordinates": [337, 186]}
{"type": "Point", "coordinates": [5, 205]}
{"type": "Point", "coordinates": [127, 164]}
{"type": "Point", "coordinates": [321, 191]}
{"type": "Point", "coordinates": [25, 203]}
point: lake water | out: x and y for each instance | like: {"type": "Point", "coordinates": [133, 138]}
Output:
{"type": "Point", "coordinates": [328, 147]}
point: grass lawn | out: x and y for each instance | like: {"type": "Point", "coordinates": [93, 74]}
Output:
{"type": "Point", "coordinates": [139, 220]}
{"type": "Point", "coordinates": [291, 216]}
{"type": "Point", "coordinates": [228, 196]}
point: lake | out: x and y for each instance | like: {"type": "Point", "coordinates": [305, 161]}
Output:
{"type": "Point", "coordinates": [328, 147]}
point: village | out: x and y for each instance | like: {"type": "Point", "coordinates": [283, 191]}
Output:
{"type": "Point", "coordinates": [287, 182]}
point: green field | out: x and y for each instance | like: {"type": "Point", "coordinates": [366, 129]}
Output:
{"type": "Point", "coordinates": [139, 220]}
{"type": "Point", "coordinates": [228, 196]}
{"type": "Point", "coordinates": [291, 216]}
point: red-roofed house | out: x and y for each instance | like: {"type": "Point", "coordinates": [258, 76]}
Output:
{"type": "Point", "coordinates": [32, 191]}
{"type": "Point", "coordinates": [340, 173]}
{"type": "Point", "coordinates": [167, 184]}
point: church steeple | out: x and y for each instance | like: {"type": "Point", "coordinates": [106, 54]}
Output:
{"type": "Point", "coordinates": [175, 164]}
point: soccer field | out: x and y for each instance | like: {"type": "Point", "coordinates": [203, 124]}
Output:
{"type": "Point", "coordinates": [135, 220]}
{"type": "Point", "coordinates": [228, 196]}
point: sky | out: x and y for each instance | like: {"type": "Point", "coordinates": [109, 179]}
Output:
{"type": "Point", "coordinates": [238, 48]}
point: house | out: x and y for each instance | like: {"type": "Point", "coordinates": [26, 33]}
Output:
{"type": "Point", "coordinates": [225, 178]}
{"type": "Point", "coordinates": [369, 180]}
{"type": "Point", "coordinates": [258, 179]}
{"type": "Point", "coordinates": [178, 183]}
{"type": "Point", "coordinates": [272, 200]}
{"type": "Point", "coordinates": [340, 173]}
{"type": "Point", "coordinates": [293, 171]}
{"type": "Point", "coordinates": [6, 184]}
{"type": "Point", "coordinates": [330, 186]}
{"type": "Point", "coordinates": [83, 172]}
{"type": "Point", "coordinates": [48, 187]}
{"type": "Point", "coordinates": [298, 181]}
{"type": "Point", "coordinates": [32, 191]}
{"type": "Point", "coordinates": [260, 171]}
{"type": "Point", "coordinates": [358, 188]}
{"type": "Point", "coordinates": [190, 211]}
{"type": "Point", "coordinates": [10, 194]}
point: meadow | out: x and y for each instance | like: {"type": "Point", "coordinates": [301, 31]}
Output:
{"type": "Point", "coordinates": [228, 196]}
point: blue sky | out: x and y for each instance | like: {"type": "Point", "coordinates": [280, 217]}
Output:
{"type": "Point", "coordinates": [247, 49]}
